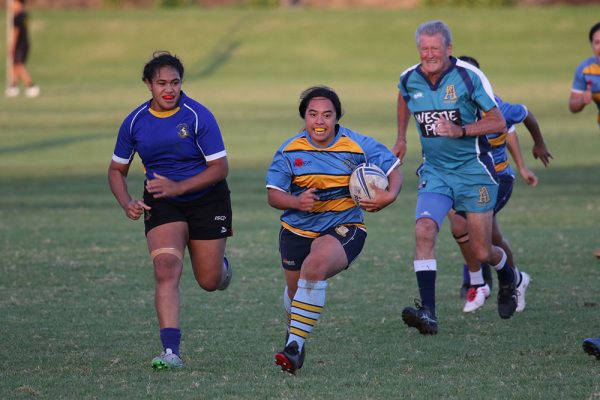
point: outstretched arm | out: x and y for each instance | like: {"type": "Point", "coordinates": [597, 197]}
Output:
{"type": "Point", "coordinates": [512, 143]}
{"type": "Point", "coordinates": [578, 100]}
{"type": "Point", "coordinates": [539, 146]}
{"type": "Point", "coordinates": [403, 116]}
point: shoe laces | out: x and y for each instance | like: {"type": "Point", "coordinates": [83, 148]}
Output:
{"type": "Point", "coordinates": [418, 305]}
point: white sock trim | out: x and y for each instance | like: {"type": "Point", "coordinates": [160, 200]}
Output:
{"type": "Point", "coordinates": [502, 262]}
{"type": "Point", "coordinates": [476, 278]}
{"type": "Point", "coordinates": [312, 285]}
{"type": "Point", "coordinates": [425, 265]}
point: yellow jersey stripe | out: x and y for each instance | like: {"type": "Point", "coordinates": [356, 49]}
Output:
{"type": "Point", "coordinates": [501, 166]}
{"type": "Point", "coordinates": [300, 232]}
{"type": "Point", "coordinates": [498, 140]}
{"type": "Point", "coordinates": [321, 181]}
{"type": "Point", "coordinates": [593, 69]}
{"type": "Point", "coordinates": [342, 204]}
{"type": "Point", "coordinates": [311, 234]}
{"type": "Point", "coordinates": [344, 144]}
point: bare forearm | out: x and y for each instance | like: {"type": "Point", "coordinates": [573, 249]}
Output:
{"type": "Point", "coordinates": [492, 122]}
{"type": "Point", "coordinates": [215, 173]}
{"type": "Point", "coordinates": [118, 186]}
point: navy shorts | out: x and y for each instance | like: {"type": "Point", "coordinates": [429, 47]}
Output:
{"type": "Point", "coordinates": [208, 217]}
{"type": "Point", "coordinates": [505, 188]}
{"type": "Point", "coordinates": [295, 248]}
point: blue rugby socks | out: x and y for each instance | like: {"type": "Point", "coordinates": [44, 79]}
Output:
{"type": "Point", "coordinates": [170, 338]}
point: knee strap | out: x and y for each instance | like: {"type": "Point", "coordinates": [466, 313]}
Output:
{"type": "Point", "coordinates": [166, 250]}
{"type": "Point", "coordinates": [462, 239]}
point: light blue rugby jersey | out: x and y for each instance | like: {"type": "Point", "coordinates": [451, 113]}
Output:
{"type": "Point", "coordinates": [298, 165]}
{"type": "Point", "coordinates": [513, 114]}
{"type": "Point", "coordinates": [588, 71]}
{"type": "Point", "coordinates": [175, 144]}
{"type": "Point", "coordinates": [460, 95]}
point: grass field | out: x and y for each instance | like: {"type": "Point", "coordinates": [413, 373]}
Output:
{"type": "Point", "coordinates": [76, 285]}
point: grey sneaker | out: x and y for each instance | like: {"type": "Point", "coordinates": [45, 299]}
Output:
{"type": "Point", "coordinates": [228, 274]}
{"type": "Point", "coordinates": [167, 360]}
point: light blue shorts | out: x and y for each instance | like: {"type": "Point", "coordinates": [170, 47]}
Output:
{"type": "Point", "coordinates": [474, 190]}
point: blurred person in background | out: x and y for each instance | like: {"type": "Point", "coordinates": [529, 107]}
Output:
{"type": "Point", "coordinates": [586, 82]}
{"type": "Point", "coordinates": [19, 45]}
{"type": "Point", "coordinates": [585, 89]}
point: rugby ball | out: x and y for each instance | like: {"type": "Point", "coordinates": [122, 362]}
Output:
{"type": "Point", "coordinates": [363, 181]}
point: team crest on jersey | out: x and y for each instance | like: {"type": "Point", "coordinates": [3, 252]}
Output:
{"type": "Point", "coordinates": [183, 130]}
{"type": "Point", "coordinates": [484, 195]}
{"type": "Point", "coordinates": [342, 230]}
{"type": "Point", "coordinates": [450, 94]}
{"type": "Point", "coordinates": [298, 162]}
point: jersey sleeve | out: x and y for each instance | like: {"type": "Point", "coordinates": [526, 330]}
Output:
{"type": "Point", "coordinates": [279, 174]}
{"type": "Point", "coordinates": [579, 83]}
{"type": "Point", "coordinates": [378, 154]}
{"type": "Point", "coordinates": [209, 137]}
{"type": "Point", "coordinates": [125, 146]}
{"type": "Point", "coordinates": [482, 93]}
{"type": "Point", "coordinates": [513, 113]}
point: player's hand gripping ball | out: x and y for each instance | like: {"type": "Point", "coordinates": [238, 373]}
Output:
{"type": "Point", "coordinates": [363, 181]}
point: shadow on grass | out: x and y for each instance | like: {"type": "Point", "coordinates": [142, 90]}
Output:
{"type": "Point", "coordinates": [222, 51]}
{"type": "Point", "coordinates": [50, 143]}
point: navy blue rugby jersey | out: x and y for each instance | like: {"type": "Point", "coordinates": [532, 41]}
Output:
{"type": "Point", "coordinates": [176, 144]}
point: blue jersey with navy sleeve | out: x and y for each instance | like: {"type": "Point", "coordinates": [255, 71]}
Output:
{"type": "Point", "coordinates": [513, 114]}
{"type": "Point", "coordinates": [588, 71]}
{"type": "Point", "coordinates": [460, 95]}
{"type": "Point", "coordinates": [176, 144]}
{"type": "Point", "coordinates": [299, 165]}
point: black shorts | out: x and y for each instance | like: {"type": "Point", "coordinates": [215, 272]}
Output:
{"type": "Point", "coordinates": [21, 53]}
{"type": "Point", "coordinates": [208, 217]}
{"type": "Point", "coordinates": [295, 248]}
